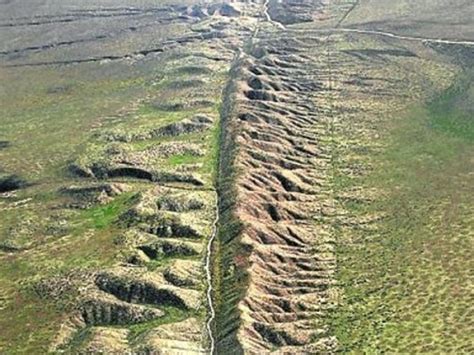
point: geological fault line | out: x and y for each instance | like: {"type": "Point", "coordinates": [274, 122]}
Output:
{"type": "Point", "coordinates": [212, 311]}
{"type": "Point", "coordinates": [241, 52]}
{"type": "Point", "coordinates": [209, 254]}
{"type": "Point", "coordinates": [215, 227]}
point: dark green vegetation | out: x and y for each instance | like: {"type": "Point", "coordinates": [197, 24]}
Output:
{"type": "Point", "coordinates": [452, 112]}
{"type": "Point", "coordinates": [101, 217]}
{"type": "Point", "coordinates": [407, 283]}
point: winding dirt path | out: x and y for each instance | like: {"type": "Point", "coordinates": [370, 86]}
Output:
{"type": "Point", "coordinates": [407, 38]}
{"type": "Point", "coordinates": [387, 34]}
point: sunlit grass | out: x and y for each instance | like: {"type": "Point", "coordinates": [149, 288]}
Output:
{"type": "Point", "coordinates": [406, 283]}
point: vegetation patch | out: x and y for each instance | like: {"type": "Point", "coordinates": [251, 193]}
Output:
{"type": "Point", "coordinates": [452, 112]}
{"type": "Point", "coordinates": [406, 281]}
{"type": "Point", "coordinates": [102, 216]}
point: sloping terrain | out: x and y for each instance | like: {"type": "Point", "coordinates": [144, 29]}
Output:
{"type": "Point", "coordinates": [290, 177]}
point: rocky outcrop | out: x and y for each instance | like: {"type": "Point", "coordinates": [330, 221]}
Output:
{"type": "Point", "coordinates": [195, 124]}
{"type": "Point", "coordinates": [179, 203]}
{"type": "Point", "coordinates": [108, 169]}
{"type": "Point", "coordinates": [171, 227]}
{"type": "Point", "coordinates": [164, 247]}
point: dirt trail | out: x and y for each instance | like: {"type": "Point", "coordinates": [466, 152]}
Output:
{"type": "Point", "coordinates": [408, 38]}
{"type": "Point", "coordinates": [388, 34]}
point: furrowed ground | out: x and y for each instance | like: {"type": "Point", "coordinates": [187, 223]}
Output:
{"type": "Point", "coordinates": [333, 141]}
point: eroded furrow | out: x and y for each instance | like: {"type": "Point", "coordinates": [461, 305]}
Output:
{"type": "Point", "coordinates": [283, 172]}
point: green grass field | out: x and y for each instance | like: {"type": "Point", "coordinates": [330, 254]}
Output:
{"type": "Point", "coordinates": [407, 282]}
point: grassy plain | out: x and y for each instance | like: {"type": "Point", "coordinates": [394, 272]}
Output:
{"type": "Point", "coordinates": [408, 287]}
